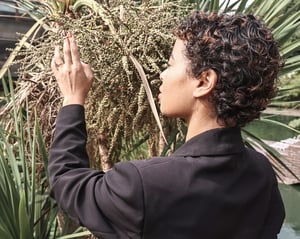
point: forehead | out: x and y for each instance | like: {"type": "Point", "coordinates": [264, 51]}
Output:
{"type": "Point", "coordinates": [178, 50]}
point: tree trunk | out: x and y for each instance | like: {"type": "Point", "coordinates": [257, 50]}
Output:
{"type": "Point", "coordinates": [106, 163]}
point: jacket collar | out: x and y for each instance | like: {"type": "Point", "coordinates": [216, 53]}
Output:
{"type": "Point", "coordinates": [220, 141]}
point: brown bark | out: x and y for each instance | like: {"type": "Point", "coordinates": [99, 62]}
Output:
{"type": "Point", "coordinates": [106, 162]}
{"type": "Point", "coordinates": [63, 219]}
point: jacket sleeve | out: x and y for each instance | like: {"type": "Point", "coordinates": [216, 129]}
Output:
{"type": "Point", "coordinates": [106, 203]}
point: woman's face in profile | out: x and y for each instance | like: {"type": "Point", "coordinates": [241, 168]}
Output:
{"type": "Point", "coordinates": [176, 91]}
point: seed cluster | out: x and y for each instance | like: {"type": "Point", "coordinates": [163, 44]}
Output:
{"type": "Point", "coordinates": [117, 106]}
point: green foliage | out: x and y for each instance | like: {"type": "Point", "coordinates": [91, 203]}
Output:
{"type": "Point", "coordinates": [272, 130]}
{"type": "Point", "coordinates": [295, 123]}
{"type": "Point", "coordinates": [288, 92]}
{"type": "Point", "coordinates": [25, 206]}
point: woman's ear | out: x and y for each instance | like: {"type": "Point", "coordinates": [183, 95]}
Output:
{"type": "Point", "coordinates": [205, 83]}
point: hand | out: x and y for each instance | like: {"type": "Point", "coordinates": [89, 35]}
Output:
{"type": "Point", "coordinates": [74, 77]}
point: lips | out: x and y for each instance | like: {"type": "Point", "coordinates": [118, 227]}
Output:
{"type": "Point", "coordinates": [159, 95]}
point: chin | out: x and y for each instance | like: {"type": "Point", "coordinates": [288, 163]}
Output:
{"type": "Point", "coordinates": [164, 113]}
{"type": "Point", "coordinates": [169, 114]}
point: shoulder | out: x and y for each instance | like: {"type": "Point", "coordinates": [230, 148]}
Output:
{"type": "Point", "coordinates": [257, 157]}
{"type": "Point", "coordinates": [137, 165]}
{"type": "Point", "coordinates": [135, 169]}
{"type": "Point", "coordinates": [259, 163]}
{"type": "Point", "coordinates": [149, 170]}
{"type": "Point", "coordinates": [152, 167]}
{"type": "Point", "coordinates": [151, 162]}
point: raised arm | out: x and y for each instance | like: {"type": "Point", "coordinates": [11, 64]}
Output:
{"type": "Point", "coordinates": [108, 204]}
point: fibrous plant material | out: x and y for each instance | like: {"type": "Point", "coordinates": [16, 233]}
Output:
{"type": "Point", "coordinates": [117, 109]}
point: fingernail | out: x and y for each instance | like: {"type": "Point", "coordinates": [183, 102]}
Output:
{"type": "Point", "coordinates": [69, 35]}
{"type": "Point", "coordinates": [63, 34]}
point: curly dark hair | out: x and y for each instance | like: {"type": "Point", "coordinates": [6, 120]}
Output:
{"type": "Point", "coordinates": [243, 53]}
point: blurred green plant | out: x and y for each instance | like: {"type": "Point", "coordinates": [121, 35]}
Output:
{"type": "Point", "coordinates": [25, 206]}
{"type": "Point", "coordinates": [289, 92]}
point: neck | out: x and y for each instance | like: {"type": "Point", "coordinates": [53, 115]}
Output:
{"type": "Point", "coordinates": [200, 123]}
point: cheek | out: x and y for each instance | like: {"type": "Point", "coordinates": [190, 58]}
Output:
{"type": "Point", "coordinates": [176, 100]}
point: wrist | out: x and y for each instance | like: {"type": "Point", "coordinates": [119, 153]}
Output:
{"type": "Point", "coordinates": [73, 101]}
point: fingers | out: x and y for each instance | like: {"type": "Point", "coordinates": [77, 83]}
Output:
{"type": "Point", "coordinates": [74, 77]}
{"type": "Point", "coordinates": [71, 53]}
{"type": "Point", "coordinates": [56, 60]}
{"type": "Point", "coordinates": [74, 50]}
{"type": "Point", "coordinates": [67, 52]}
{"type": "Point", "coordinates": [71, 58]}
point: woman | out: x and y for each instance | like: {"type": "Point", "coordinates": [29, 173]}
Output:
{"type": "Point", "coordinates": [220, 76]}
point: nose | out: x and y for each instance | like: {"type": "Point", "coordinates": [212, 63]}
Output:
{"type": "Point", "coordinates": [161, 76]}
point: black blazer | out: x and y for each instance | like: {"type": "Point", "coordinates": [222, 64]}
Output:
{"type": "Point", "coordinates": [212, 187]}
